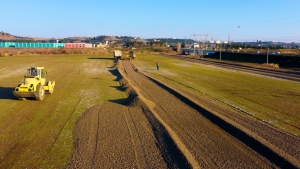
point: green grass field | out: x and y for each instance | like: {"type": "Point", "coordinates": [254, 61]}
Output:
{"type": "Point", "coordinates": [274, 101]}
{"type": "Point", "coordinates": [39, 134]}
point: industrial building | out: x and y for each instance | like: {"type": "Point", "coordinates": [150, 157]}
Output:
{"type": "Point", "coordinates": [30, 45]}
{"type": "Point", "coordinates": [78, 45]}
{"type": "Point", "coordinates": [43, 45]}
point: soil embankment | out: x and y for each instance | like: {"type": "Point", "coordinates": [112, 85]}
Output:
{"type": "Point", "coordinates": [157, 128]}
{"type": "Point", "coordinates": [124, 134]}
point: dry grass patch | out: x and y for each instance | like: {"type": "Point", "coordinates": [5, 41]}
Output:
{"type": "Point", "coordinates": [6, 52]}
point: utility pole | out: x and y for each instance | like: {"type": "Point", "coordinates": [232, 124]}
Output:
{"type": "Point", "coordinates": [206, 35]}
{"type": "Point", "coordinates": [229, 40]}
{"type": "Point", "coordinates": [268, 57]}
{"type": "Point", "coordinates": [184, 41]}
{"type": "Point", "coordinates": [220, 52]}
{"type": "Point", "coordinates": [166, 42]}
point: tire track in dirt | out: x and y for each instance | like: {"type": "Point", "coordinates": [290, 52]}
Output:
{"type": "Point", "coordinates": [263, 158]}
{"type": "Point", "coordinates": [135, 138]}
{"type": "Point", "coordinates": [94, 145]}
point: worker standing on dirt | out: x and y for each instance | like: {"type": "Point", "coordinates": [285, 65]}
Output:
{"type": "Point", "coordinates": [157, 65]}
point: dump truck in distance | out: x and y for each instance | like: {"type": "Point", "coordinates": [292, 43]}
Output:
{"type": "Point", "coordinates": [117, 54]}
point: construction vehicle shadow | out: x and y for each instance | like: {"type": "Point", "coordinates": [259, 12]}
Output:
{"type": "Point", "coordinates": [119, 88]}
{"type": "Point", "coordinates": [131, 96]}
{"type": "Point", "coordinates": [124, 101]}
{"type": "Point", "coordinates": [7, 93]}
{"type": "Point", "coordinates": [116, 73]}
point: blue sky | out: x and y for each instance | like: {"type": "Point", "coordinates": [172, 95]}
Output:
{"type": "Point", "coordinates": [244, 20]}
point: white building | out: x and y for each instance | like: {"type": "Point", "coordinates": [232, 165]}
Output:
{"type": "Point", "coordinates": [218, 41]}
{"type": "Point", "coordinates": [195, 45]}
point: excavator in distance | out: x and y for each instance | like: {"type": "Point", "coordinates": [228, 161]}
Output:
{"type": "Point", "coordinates": [131, 55]}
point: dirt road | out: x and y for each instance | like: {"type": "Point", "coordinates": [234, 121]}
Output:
{"type": "Point", "coordinates": [161, 129]}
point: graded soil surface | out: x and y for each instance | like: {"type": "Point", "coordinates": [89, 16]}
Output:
{"type": "Point", "coordinates": [114, 136]}
{"type": "Point", "coordinates": [160, 128]}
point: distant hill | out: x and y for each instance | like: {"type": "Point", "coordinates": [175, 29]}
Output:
{"type": "Point", "coordinates": [8, 37]}
{"type": "Point", "coordinates": [74, 39]}
{"type": "Point", "coordinates": [84, 39]}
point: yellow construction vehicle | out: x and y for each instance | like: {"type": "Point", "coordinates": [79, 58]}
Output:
{"type": "Point", "coordinates": [131, 55]}
{"type": "Point", "coordinates": [34, 84]}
